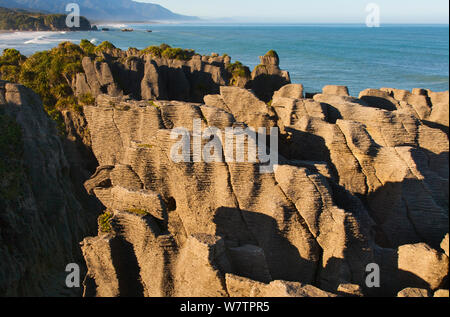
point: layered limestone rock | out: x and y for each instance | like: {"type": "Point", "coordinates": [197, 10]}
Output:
{"type": "Point", "coordinates": [425, 105]}
{"type": "Point", "coordinates": [391, 158]}
{"type": "Point", "coordinates": [42, 218]}
{"type": "Point", "coordinates": [413, 292]}
{"type": "Point", "coordinates": [428, 265]}
{"type": "Point", "coordinates": [355, 184]}
{"type": "Point", "coordinates": [267, 77]}
{"type": "Point", "coordinates": [147, 77]}
{"type": "Point", "coordinates": [355, 204]}
{"type": "Point", "coordinates": [294, 91]}
{"type": "Point", "coordinates": [441, 293]}
{"type": "Point", "coordinates": [335, 90]}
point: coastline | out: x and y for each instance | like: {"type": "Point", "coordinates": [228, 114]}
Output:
{"type": "Point", "coordinates": [312, 53]}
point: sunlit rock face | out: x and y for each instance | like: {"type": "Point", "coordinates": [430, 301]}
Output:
{"type": "Point", "coordinates": [355, 185]}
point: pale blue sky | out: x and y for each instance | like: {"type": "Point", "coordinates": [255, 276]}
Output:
{"type": "Point", "coordinates": [312, 11]}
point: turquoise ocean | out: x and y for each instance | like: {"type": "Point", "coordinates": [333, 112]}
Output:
{"type": "Point", "coordinates": [397, 56]}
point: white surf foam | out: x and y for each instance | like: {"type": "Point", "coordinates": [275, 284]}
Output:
{"type": "Point", "coordinates": [113, 25]}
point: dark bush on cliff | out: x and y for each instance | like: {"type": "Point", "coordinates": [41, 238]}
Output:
{"type": "Point", "coordinates": [10, 64]}
{"type": "Point", "coordinates": [237, 71]}
{"type": "Point", "coordinates": [49, 74]}
{"type": "Point", "coordinates": [169, 52]}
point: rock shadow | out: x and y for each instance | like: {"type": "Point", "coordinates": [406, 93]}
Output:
{"type": "Point", "coordinates": [127, 268]}
{"type": "Point", "coordinates": [283, 259]}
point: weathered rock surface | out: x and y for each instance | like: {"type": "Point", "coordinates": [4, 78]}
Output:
{"type": "Point", "coordinates": [42, 224]}
{"type": "Point", "coordinates": [335, 90]}
{"type": "Point", "coordinates": [441, 293]}
{"type": "Point", "coordinates": [358, 181]}
{"type": "Point", "coordinates": [429, 266]}
{"type": "Point", "coordinates": [294, 91]}
{"type": "Point", "coordinates": [352, 290]}
{"type": "Point", "coordinates": [146, 77]}
{"type": "Point", "coordinates": [398, 164]}
{"type": "Point", "coordinates": [413, 292]}
{"type": "Point", "coordinates": [267, 77]}
{"type": "Point", "coordinates": [424, 104]}
{"type": "Point", "coordinates": [445, 244]}
{"type": "Point", "coordinates": [355, 184]}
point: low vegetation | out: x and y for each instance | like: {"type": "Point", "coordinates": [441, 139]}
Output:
{"type": "Point", "coordinates": [10, 64]}
{"type": "Point", "coordinates": [104, 222]}
{"type": "Point", "coordinates": [87, 47]}
{"type": "Point", "coordinates": [169, 52]}
{"type": "Point", "coordinates": [104, 47]}
{"type": "Point", "coordinates": [138, 211]}
{"type": "Point", "coordinates": [86, 99]}
{"type": "Point", "coordinates": [12, 173]}
{"type": "Point", "coordinates": [153, 104]}
{"type": "Point", "coordinates": [237, 70]}
{"type": "Point", "coordinates": [49, 74]}
{"type": "Point", "coordinates": [145, 146]}
{"type": "Point", "coordinates": [272, 53]}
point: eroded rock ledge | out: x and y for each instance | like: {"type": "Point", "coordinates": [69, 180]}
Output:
{"type": "Point", "coordinates": [144, 76]}
{"type": "Point", "coordinates": [360, 180]}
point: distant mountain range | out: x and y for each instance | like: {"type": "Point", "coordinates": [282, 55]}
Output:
{"type": "Point", "coordinates": [102, 10]}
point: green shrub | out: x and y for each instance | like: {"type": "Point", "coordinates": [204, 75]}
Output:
{"type": "Point", "coordinates": [145, 146]}
{"type": "Point", "coordinates": [104, 47]}
{"type": "Point", "coordinates": [86, 99]}
{"type": "Point", "coordinates": [36, 74]}
{"type": "Point", "coordinates": [164, 46]}
{"type": "Point", "coordinates": [10, 64]}
{"type": "Point", "coordinates": [49, 74]}
{"type": "Point", "coordinates": [57, 117]}
{"type": "Point", "coordinates": [155, 51]}
{"type": "Point", "coordinates": [204, 119]}
{"type": "Point", "coordinates": [10, 73]}
{"type": "Point", "coordinates": [68, 103]}
{"type": "Point", "coordinates": [87, 47]}
{"type": "Point", "coordinates": [153, 104]}
{"type": "Point", "coordinates": [272, 53]}
{"type": "Point", "coordinates": [104, 222]}
{"type": "Point", "coordinates": [236, 69]}
{"type": "Point", "coordinates": [178, 53]}
{"type": "Point", "coordinates": [165, 50]}
{"type": "Point", "coordinates": [137, 211]}
{"type": "Point", "coordinates": [12, 56]}
{"type": "Point", "coordinates": [262, 67]}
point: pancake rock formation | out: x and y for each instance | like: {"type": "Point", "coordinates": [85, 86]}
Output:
{"type": "Point", "coordinates": [196, 177]}
{"type": "Point", "coordinates": [355, 185]}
